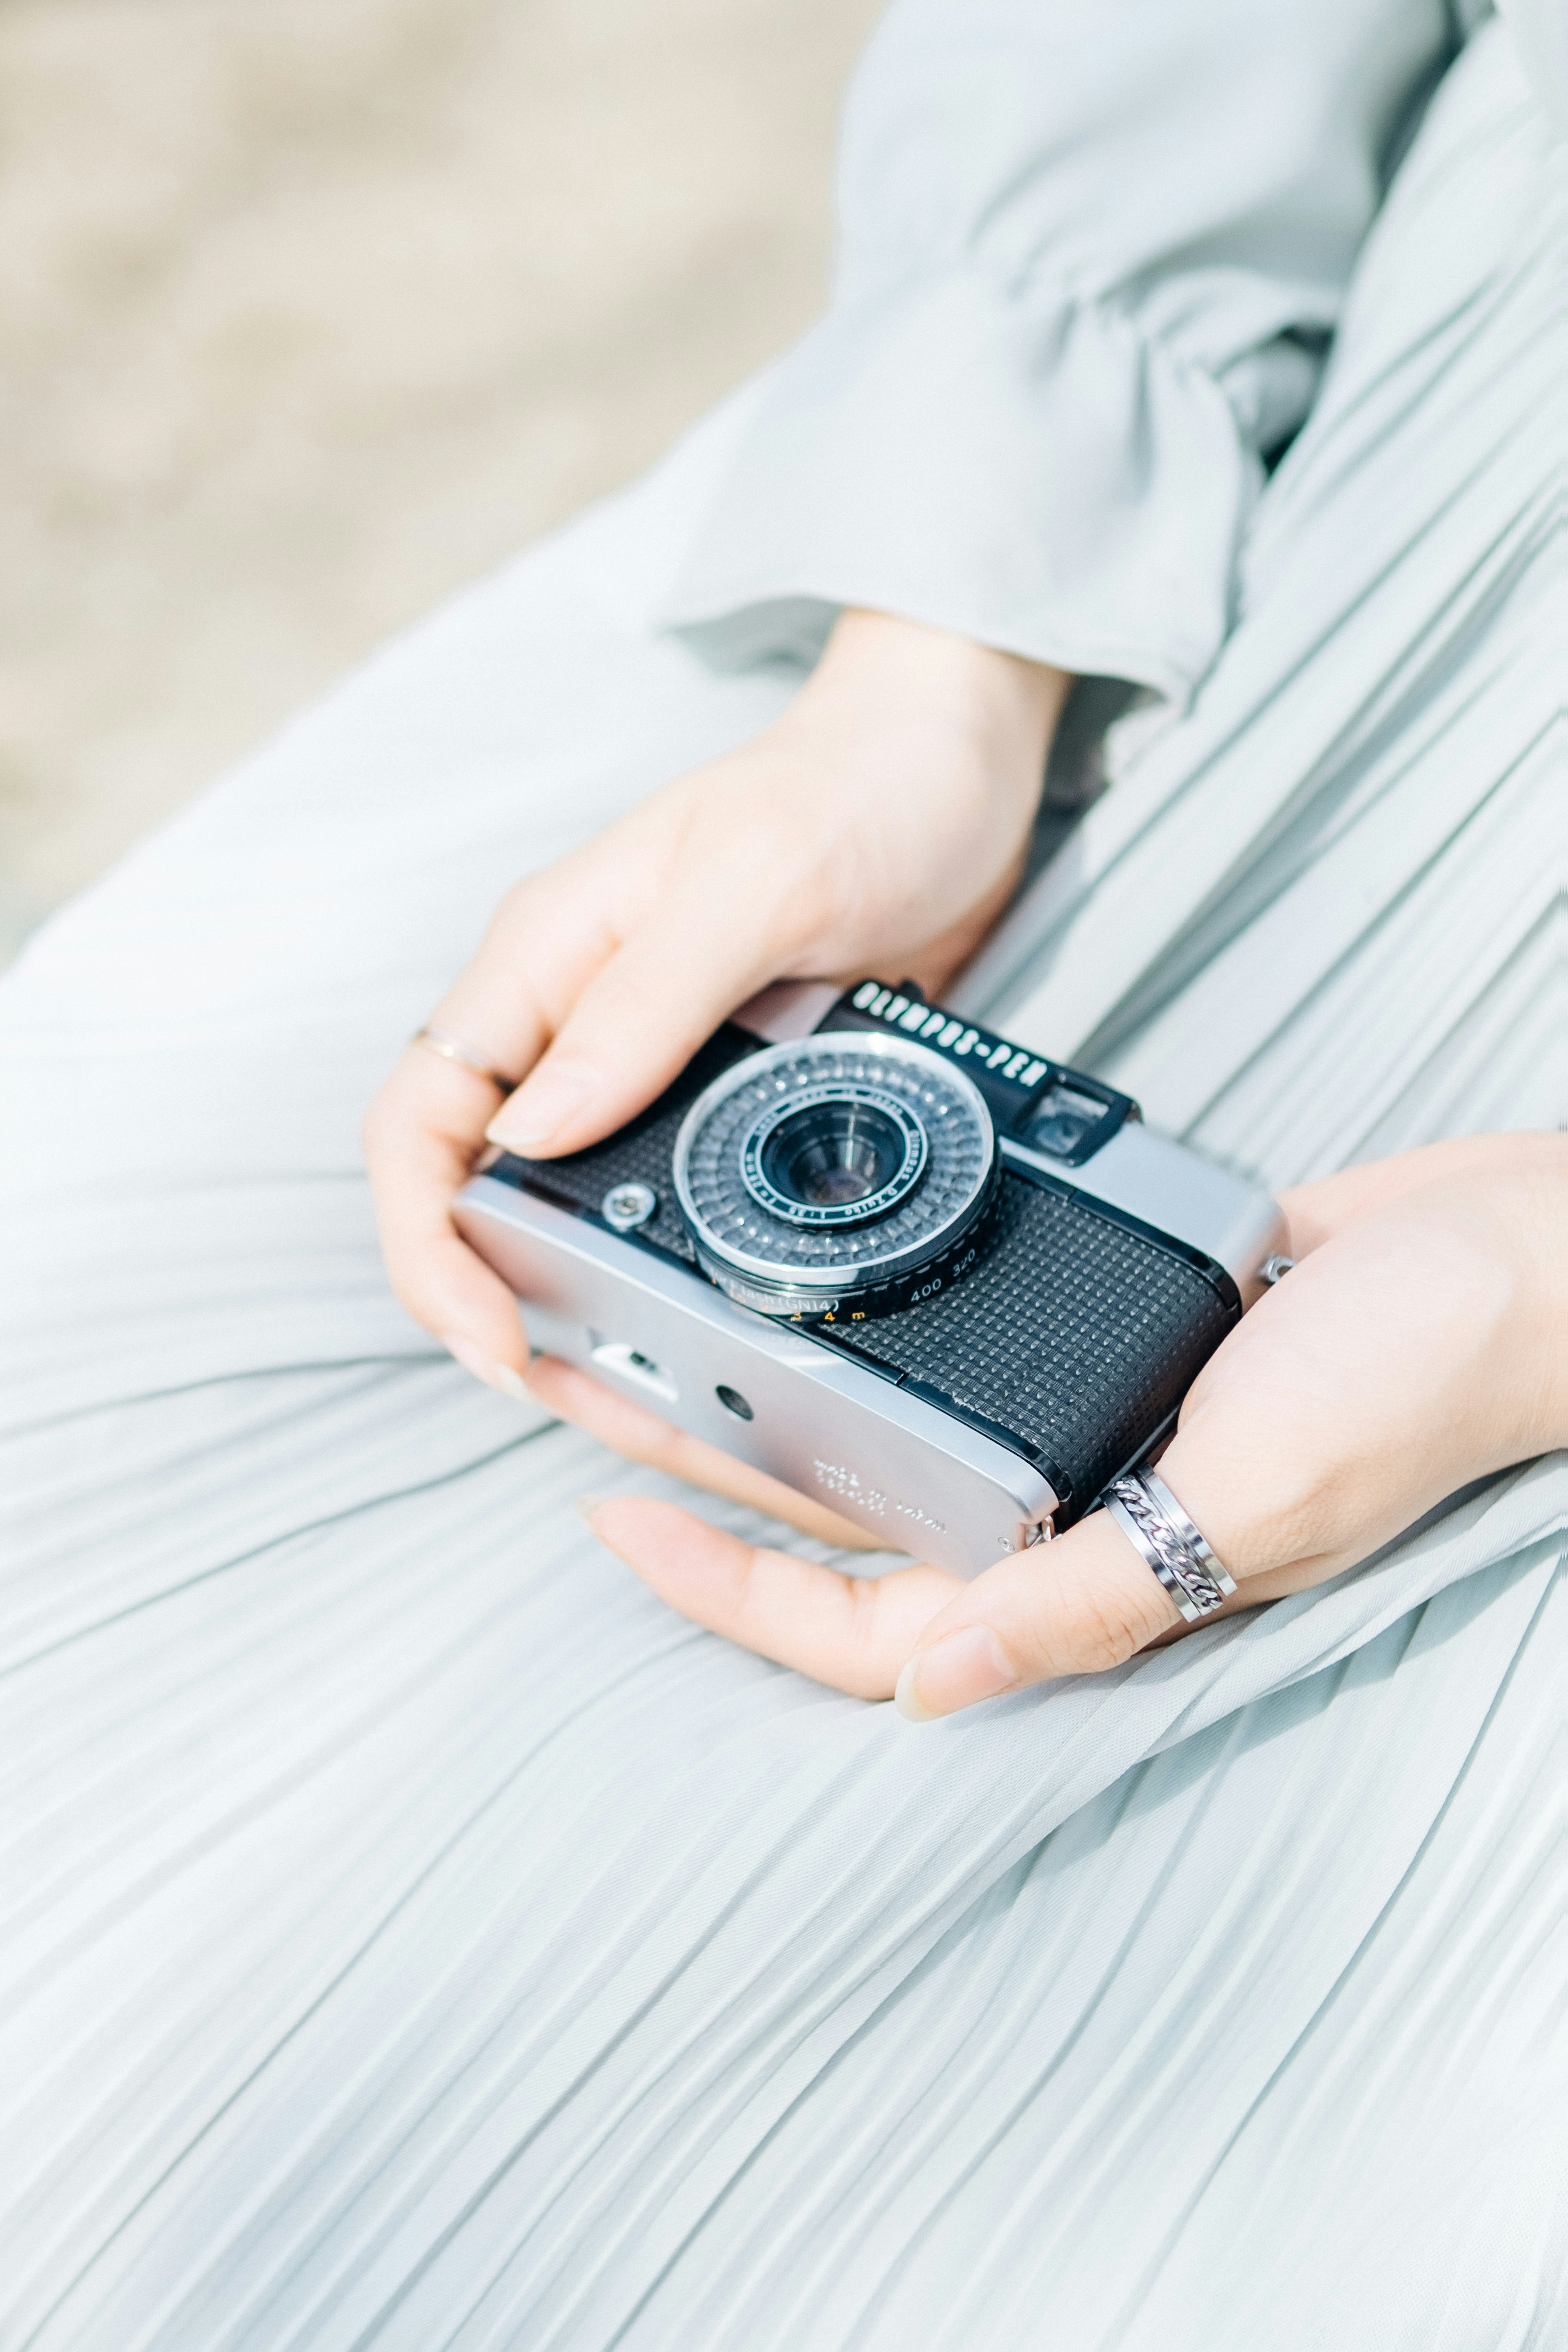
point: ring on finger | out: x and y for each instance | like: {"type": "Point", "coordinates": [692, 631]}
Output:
{"type": "Point", "coordinates": [1148, 1513]}
{"type": "Point", "coordinates": [452, 1049]}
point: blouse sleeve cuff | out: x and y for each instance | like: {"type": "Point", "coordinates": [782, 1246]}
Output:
{"type": "Point", "coordinates": [1054, 485]}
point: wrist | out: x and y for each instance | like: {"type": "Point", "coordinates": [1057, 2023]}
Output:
{"type": "Point", "coordinates": [1005, 705]}
{"type": "Point", "coordinates": [1526, 1202]}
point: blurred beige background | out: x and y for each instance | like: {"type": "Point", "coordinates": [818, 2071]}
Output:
{"type": "Point", "coordinates": [311, 310]}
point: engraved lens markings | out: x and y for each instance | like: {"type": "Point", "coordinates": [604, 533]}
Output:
{"type": "Point", "coordinates": [726, 1179]}
{"type": "Point", "coordinates": [841, 1154]}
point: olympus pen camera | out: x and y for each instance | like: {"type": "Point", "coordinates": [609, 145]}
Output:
{"type": "Point", "coordinates": [933, 1278]}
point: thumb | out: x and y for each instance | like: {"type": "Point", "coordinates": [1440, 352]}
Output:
{"type": "Point", "coordinates": [634, 1028]}
{"type": "Point", "coordinates": [1077, 1605]}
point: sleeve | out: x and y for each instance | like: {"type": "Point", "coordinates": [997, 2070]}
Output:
{"type": "Point", "coordinates": [1091, 253]}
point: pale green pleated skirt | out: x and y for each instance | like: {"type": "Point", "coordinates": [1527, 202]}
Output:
{"type": "Point", "coordinates": [415, 1936]}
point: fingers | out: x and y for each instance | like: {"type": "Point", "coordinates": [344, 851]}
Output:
{"type": "Point", "coordinates": [1075, 1606]}
{"type": "Point", "coordinates": [634, 1026]}
{"type": "Point", "coordinates": [1316, 1211]}
{"type": "Point", "coordinates": [427, 1126]}
{"type": "Point", "coordinates": [419, 1138]}
{"type": "Point", "coordinates": [847, 1631]}
{"type": "Point", "coordinates": [595, 985]}
{"type": "Point", "coordinates": [627, 1428]}
{"type": "Point", "coordinates": [1349, 1401]}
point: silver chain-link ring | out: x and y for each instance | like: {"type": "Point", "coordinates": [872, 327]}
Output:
{"type": "Point", "coordinates": [1148, 1513]}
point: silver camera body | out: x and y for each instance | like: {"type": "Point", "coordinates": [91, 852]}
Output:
{"type": "Point", "coordinates": [939, 1281]}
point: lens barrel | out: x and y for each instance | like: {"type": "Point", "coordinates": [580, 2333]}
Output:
{"type": "Point", "coordinates": [840, 1154]}
{"type": "Point", "coordinates": [836, 1174]}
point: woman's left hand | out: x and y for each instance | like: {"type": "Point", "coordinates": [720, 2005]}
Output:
{"type": "Point", "coordinates": [1418, 1346]}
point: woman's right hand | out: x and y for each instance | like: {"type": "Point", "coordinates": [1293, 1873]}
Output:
{"type": "Point", "coordinates": [877, 826]}
{"type": "Point", "coordinates": [1418, 1346]}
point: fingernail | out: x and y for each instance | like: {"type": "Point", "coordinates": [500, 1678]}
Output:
{"type": "Point", "coordinates": [585, 1506]}
{"type": "Point", "coordinates": [485, 1367]}
{"type": "Point", "coordinates": [968, 1665]}
{"type": "Point", "coordinates": [906, 1698]}
{"type": "Point", "coordinates": [542, 1106]}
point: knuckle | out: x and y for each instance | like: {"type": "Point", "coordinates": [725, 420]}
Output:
{"type": "Point", "coordinates": [1107, 1632]}
{"type": "Point", "coordinates": [514, 905]}
{"type": "Point", "coordinates": [866, 1674]}
{"type": "Point", "coordinates": [1106, 1622]}
{"type": "Point", "coordinates": [403, 1273]}
{"type": "Point", "coordinates": [411, 1298]}
{"type": "Point", "coordinates": [388, 1119]}
{"type": "Point", "coordinates": [1288, 1510]}
{"type": "Point", "coordinates": [658, 1445]}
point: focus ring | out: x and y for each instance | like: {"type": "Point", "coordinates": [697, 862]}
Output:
{"type": "Point", "coordinates": [830, 1111]}
{"type": "Point", "coordinates": [938, 1272]}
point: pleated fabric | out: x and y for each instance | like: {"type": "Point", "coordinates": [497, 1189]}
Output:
{"type": "Point", "coordinates": [1290, 857]}
{"type": "Point", "coordinates": [1090, 256]}
{"type": "Point", "coordinates": [414, 1936]}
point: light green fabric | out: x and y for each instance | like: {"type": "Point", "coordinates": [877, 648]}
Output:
{"type": "Point", "coordinates": [1091, 258]}
{"type": "Point", "coordinates": [414, 1936]}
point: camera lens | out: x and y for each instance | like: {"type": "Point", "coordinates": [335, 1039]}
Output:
{"type": "Point", "coordinates": [834, 1172]}
{"type": "Point", "coordinates": [837, 1153]}
{"type": "Point", "coordinates": [840, 1153]}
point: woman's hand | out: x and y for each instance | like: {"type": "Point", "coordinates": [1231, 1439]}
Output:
{"type": "Point", "coordinates": [879, 828]}
{"type": "Point", "coordinates": [1418, 1345]}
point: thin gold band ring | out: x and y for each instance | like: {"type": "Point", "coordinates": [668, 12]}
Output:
{"type": "Point", "coordinates": [452, 1049]}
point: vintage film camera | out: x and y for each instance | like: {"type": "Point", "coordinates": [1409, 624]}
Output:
{"type": "Point", "coordinates": [934, 1278]}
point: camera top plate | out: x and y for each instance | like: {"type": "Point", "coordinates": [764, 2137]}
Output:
{"type": "Point", "coordinates": [1033, 1100]}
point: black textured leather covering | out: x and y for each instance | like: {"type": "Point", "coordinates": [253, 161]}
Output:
{"type": "Point", "coordinates": [1073, 1334]}
{"type": "Point", "coordinates": [642, 1153]}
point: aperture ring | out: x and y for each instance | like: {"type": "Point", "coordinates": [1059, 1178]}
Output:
{"type": "Point", "coordinates": [818, 1254]}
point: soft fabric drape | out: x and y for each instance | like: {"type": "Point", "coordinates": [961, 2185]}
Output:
{"type": "Point", "coordinates": [415, 1936]}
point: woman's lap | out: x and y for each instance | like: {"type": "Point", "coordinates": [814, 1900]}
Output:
{"type": "Point", "coordinates": [411, 1917]}
{"type": "Point", "coordinates": [418, 1937]}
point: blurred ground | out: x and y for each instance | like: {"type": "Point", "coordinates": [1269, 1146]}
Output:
{"type": "Point", "coordinates": [309, 312]}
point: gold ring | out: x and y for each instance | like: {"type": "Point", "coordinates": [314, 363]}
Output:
{"type": "Point", "coordinates": [451, 1049]}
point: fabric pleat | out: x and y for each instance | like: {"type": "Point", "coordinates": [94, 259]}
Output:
{"type": "Point", "coordinates": [1286, 855]}
{"type": "Point", "coordinates": [412, 1935]}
